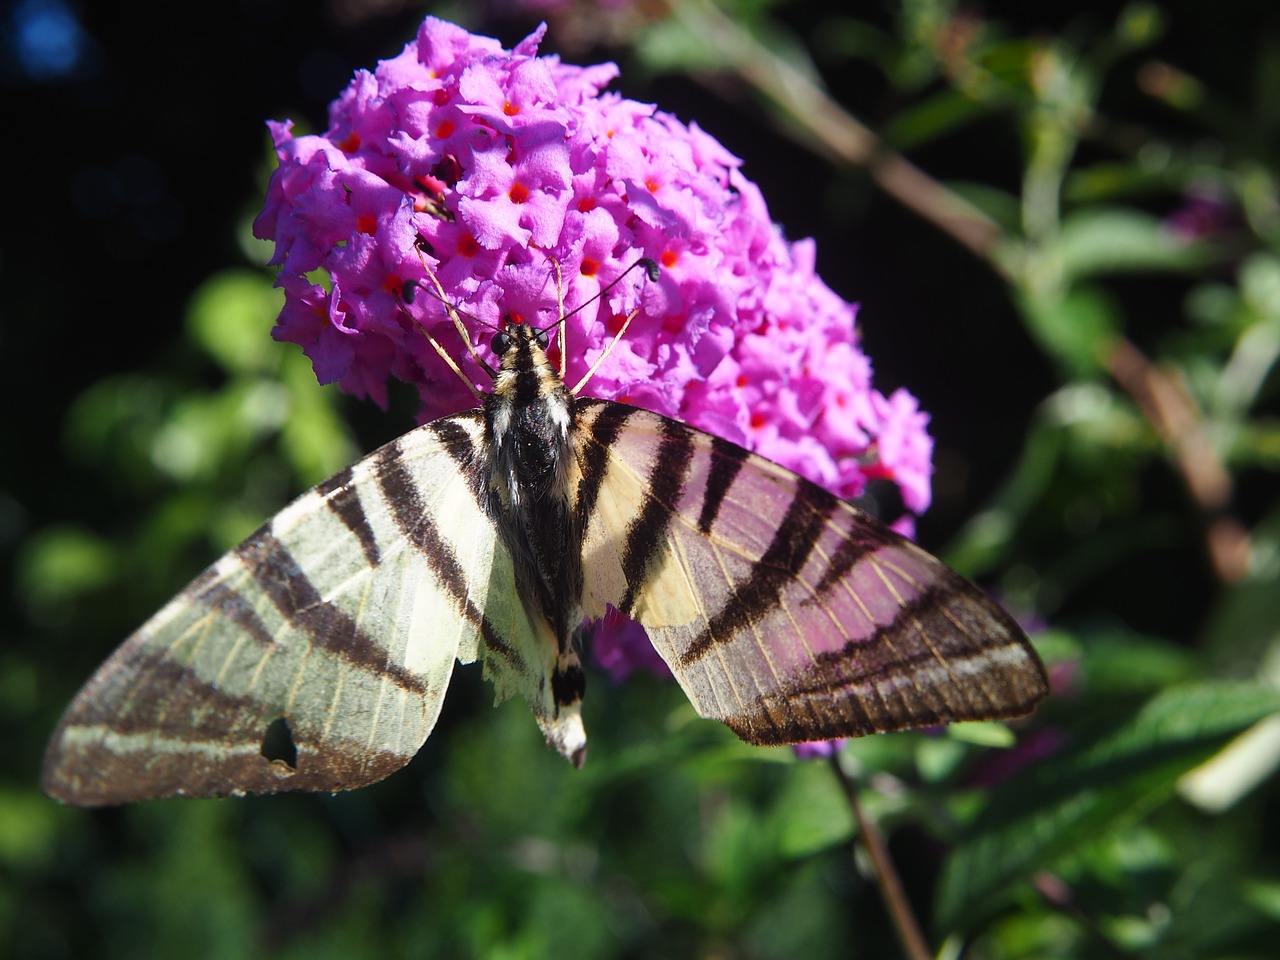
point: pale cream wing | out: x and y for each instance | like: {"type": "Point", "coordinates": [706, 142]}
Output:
{"type": "Point", "coordinates": [783, 611]}
{"type": "Point", "coordinates": [314, 656]}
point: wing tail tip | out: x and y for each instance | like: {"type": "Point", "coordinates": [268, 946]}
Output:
{"type": "Point", "coordinates": [59, 784]}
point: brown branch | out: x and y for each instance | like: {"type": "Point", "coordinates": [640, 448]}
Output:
{"type": "Point", "coordinates": [904, 919]}
{"type": "Point", "coordinates": [836, 134]}
{"type": "Point", "coordinates": [1173, 414]}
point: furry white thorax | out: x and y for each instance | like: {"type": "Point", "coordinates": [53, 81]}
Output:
{"type": "Point", "coordinates": [527, 390]}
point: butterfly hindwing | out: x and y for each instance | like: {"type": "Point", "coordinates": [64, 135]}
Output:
{"type": "Point", "coordinates": [335, 627]}
{"type": "Point", "coordinates": [783, 611]}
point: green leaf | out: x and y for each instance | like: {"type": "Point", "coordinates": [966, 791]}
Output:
{"type": "Point", "coordinates": [1212, 304]}
{"type": "Point", "coordinates": [1115, 662]}
{"type": "Point", "coordinates": [931, 119]}
{"type": "Point", "coordinates": [938, 758]}
{"type": "Point", "coordinates": [669, 46]}
{"type": "Point", "coordinates": [27, 829]}
{"type": "Point", "coordinates": [1265, 896]}
{"type": "Point", "coordinates": [230, 315]}
{"type": "Point", "coordinates": [1140, 25]}
{"type": "Point", "coordinates": [1000, 205]}
{"type": "Point", "coordinates": [1059, 805]}
{"type": "Point", "coordinates": [1111, 181]}
{"type": "Point", "coordinates": [1259, 278]}
{"type": "Point", "coordinates": [60, 564]}
{"type": "Point", "coordinates": [1076, 328]}
{"type": "Point", "coordinates": [314, 438]}
{"type": "Point", "coordinates": [1109, 240]}
{"type": "Point", "coordinates": [1257, 444]}
{"type": "Point", "coordinates": [812, 812]}
{"type": "Point", "coordinates": [987, 733]}
{"type": "Point", "coordinates": [1240, 632]}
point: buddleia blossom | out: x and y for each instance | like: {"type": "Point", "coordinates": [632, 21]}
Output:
{"type": "Point", "coordinates": [509, 175]}
{"type": "Point", "coordinates": [819, 749]}
{"type": "Point", "coordinates": [621, 647]}
{"type": "Point", "coordinates": [521, 187]}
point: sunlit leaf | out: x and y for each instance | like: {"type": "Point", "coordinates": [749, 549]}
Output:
{"type": "Point", "coordinates": [229, 314]}
{"type": "Point", "coordinates": [1075, 328]}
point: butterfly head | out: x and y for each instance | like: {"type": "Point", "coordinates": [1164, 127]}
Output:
{"type": "Point", "coordinates": [521, 350]}
{"type": "Point", "coordinates": [526, 377]}
{"type": "Point", "coordinates": [519, 339]}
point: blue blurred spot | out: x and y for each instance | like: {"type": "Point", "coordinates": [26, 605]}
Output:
{"type": "Point", "coordinates": [48, 39]}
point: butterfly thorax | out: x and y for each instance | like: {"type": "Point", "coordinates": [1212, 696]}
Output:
{"type": "Point", "coordinates": [529, 419]}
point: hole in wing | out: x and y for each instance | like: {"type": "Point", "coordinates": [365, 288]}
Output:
{"type": "Point", "coordinates": [278, 747]}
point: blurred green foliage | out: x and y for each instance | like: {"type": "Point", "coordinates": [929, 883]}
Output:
{"type": "Point", "coordinates": [1133, 816]}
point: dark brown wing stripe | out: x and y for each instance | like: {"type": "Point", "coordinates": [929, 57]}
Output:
{"type": "Point", "coordinates": [343, 500]}
{"type": "Point", "coordinates": [726, 461]}
{"type": "Point", "coordinates": [461, 448]}
{"type": "Point", "coordinates": [647, 531]}
{"type": "Point", "coordinates": [231, 605]}
{"type": "Point", "coordinates": [933, 613]}
{"type": "Point", "coordinates": [876, 653]}
{"type": "Point", "coordinates": [330, 628]}
{"type": "Point", "coordinates": [192, 712]}
{"type": "Point", "coordinates": [186, 695]}
{"type": "Point", "coordinates": [594, 455]}
{"type": "Point", "coordinates": [411, 517]}
{"type": "Point", "coordinates": [795, 539]}
{"type": "Point", "coordinates": [861, 540]}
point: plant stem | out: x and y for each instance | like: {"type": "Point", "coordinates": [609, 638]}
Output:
{"type": "Point", "coordinates": [1168, 407]}
{"type": "Point", "coordinates": [831, 130]}
{"type": "Point", "coordinates": [904, 919]}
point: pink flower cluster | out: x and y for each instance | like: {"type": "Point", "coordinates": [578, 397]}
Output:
{"type": "Point", "coordinates": [503, 171]}
{"type": "Point", "coordinates": [525, 188]}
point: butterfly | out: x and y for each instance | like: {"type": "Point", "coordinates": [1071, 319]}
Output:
{"type": "Point", "coordinates": [316, 655]}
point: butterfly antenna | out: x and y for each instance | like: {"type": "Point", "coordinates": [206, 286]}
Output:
{"type": "Point", "coordinates": [651, 270]}
{"type": "Point", "coordinates": [410, 287]}
{"type": "Point", "coordinates": [407, 296]}
{"type": "Point", "coordinates": [564, 354]}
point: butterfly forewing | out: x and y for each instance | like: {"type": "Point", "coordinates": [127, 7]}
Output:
{"type": "Point", "coordinates": [336, 626]}
{"type": "Point", "coordinates": [783, 611]}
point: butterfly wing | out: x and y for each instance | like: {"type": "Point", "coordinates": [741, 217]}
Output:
{"type": "Point", "coordinates": [783, 611]}
{"type": "Point", "coordinates": [314, 656]}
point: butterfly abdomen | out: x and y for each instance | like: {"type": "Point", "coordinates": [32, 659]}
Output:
{"type": "Point", "coordinates": [530, 423]}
